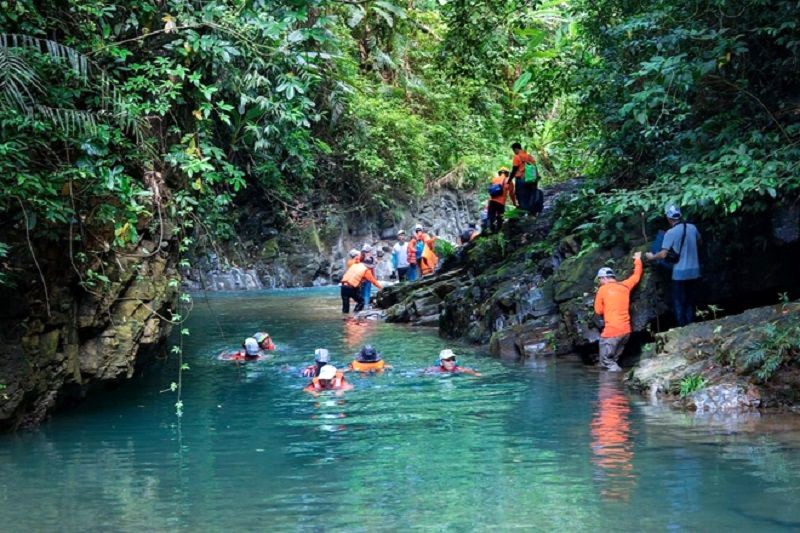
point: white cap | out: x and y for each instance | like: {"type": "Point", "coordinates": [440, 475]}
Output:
{"type": "Point", "coordinates": [366, 248]}
{"type": "Point", "coordinates": [446, 354]}
{"type": "Point", "coordinates": [401, 232]}
{"type": "Point", "coordinates": [418, 227]}
{"type": "Point", "coordinates": [673, 212]}
{"type": "Point", "coordinates": [327, 372]}
{"type": "Point", "coordinates": [251, 346]}
{"type": "Point", "coordinates": [353, 252]}
{"type": "Point", "coordinates": [605, 272]}
{"type": "Point", "coordinates": [321, 355]}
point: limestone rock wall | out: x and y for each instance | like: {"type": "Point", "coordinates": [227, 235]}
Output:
{"type": "Point", "coordinates": [47, 362]}
{"type": "Point", "coordinates": [314, 252]}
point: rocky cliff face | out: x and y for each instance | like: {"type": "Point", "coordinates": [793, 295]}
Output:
{"type": "Point", "coordinates": [739, 362]}
{"type": "Point", "coordinates": [313, 252]}
{"type": "Point", "coordinates": [525, 296]}
{"type": "Point", "coordinates": [87, 339]}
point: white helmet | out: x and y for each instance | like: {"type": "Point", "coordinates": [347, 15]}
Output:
{"type": "Point", "coordinates": [327, 372]}
{"type": "Point", "coordinates": [321, 355]}
{"type": "Point", "coordinates": [251, 346]}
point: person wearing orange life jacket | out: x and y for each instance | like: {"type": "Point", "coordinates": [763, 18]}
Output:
{"type": "Point", "coordinates": [448, 365]}
{"type": "Point", "coordinates": [500, 189]}
{"type": "Point", "coordinates": [329, 379]}
{"type": "Point", "coordinates": [351, 284]}
{"type": "Point", "coordinates": [251, 351]}
{"type": "Point", "coordinates": [429, 259]}
{"type": "Point", "coordinates": [525, 191]}
{"type": "Point", "coordinates": [368, 360]}
{"type": "Point", "coordinates": [416, 245]}
{"type": "Point", "coordinates": [612, 303]}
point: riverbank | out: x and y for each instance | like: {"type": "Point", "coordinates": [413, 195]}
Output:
{"type": "Point", "coordinates": [528, 293]}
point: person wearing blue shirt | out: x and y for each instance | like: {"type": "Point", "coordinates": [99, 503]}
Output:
{"type": "Point", "coordinates": [683, 239]}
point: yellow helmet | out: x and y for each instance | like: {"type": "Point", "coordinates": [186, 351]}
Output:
{"type": "Point", "coordinates": [503, 169]}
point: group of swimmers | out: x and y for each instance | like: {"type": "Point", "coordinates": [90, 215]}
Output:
{"type": "Point", "coordinates": [326, 377]}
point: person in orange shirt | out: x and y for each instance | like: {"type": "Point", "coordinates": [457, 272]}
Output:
{"type": "Point", "coordinates": [500, 189]}
{"type": "Point", "coordinates": [612, 303]}
{"type": "Point", "coordinates": [351, 284]}
{"type": "Point", "coordinates": [524, 190]}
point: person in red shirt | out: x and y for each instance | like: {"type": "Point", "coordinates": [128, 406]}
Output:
{"type": "Point", "coordinates": [524, 190]}
{"type": "Point", "coordinates": [501, 189]}
{"type": "Point", "coordinates": [612, 303]}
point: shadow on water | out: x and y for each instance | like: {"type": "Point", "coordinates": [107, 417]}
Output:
{"type": "Point", "coordinates": [549, 444]}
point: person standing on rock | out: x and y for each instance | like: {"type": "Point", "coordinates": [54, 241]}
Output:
{"type": "Point", "coordinates": [612, 303]}
{"type": "Point", "coordinates": [416, 245]}
{"type": "Point", "coordinates": [366, 287]}
{"type": "Point", "coordinates": [500, 190]}
{"type": "Point", "coordinates": [680, 248]}
{"type": "Point", "coordinates": [400, 256]}
{"type": "Point", "coordinates": [351, 284]}
{"type": "Point", "coordinates": [524, 184]}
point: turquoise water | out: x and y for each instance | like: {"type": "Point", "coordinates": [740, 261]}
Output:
{"type": "Point", "coordinates": [554, 446]}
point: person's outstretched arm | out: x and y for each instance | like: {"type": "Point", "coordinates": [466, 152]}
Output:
{"type": "Point", "coordinates": [632, 281]}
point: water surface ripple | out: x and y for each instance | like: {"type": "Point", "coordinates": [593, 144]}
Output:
{"type": "Point", "coordinates": [547, 445]}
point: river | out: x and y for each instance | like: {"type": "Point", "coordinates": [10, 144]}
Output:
{"type": "Point", "coordinates": [549, 445]}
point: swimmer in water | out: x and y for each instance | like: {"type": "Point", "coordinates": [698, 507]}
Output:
{"type": "Point", "coordinates": [321, 358]}
{"type": "Point", "coordinates": [264, 341]}
{"type": "Point", "coordinates": [250, 352]}
{"type": "Point", "coordinates": [329, 379]}
{"type": "Point", "coordinates": [368, 360]}
{"type": "Point", "coordinates": [448, 365]}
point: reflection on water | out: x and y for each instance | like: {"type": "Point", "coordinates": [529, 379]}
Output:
{"type": "Point", "coordinates": [612, 445]}
{"type": "Point", "coordinates": [549, 445]}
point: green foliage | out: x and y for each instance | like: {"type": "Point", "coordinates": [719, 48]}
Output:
{"type": "Point", "coordinates": [691, 384]}
{"type": "Point", "coordinates": [778, 345]}
{"type": "Point", "coordinates": [444, 249]}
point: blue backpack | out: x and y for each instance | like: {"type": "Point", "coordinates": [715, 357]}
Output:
{"type": "Point", "coordinates": [495, 190]}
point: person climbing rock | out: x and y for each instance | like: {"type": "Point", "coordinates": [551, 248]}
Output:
{"type": "Point", "coordinates": [321, 358]}
{"type": "Point", "coordinates": [368, 360]}
{"type": "Point", "coordinates": [416, 246]}
{"type": "Point", "coordinates": [329, 379]}
{"type": "Point", "coordinates": [400, 256]}
{"type": "Point", "coordinates": [500, 190]}
{"type": "Point", "coordinates": [264, 341]}
{"type": "Point", "coordinates": [351, 284]}
{"type": "Point", "coordinates": [353, 258]}
{"type": "Point", "coordinates": [681, 249]}
{"type": "Point", "coordinates": [524, 181]}
{"type": "Point", "coordinates": [448, 365]}
{"type": "Point", "coordinates": [612, 303]}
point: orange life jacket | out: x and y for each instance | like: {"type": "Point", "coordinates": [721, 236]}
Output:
{"type": "Point", "coordinates": [429, 259]}
{"type": "Point", "coordinates": [355, 274]}
{"type": "Point", "coordinates": [338, 382]}
{"type": "Point", "coordinates": [362, 366]}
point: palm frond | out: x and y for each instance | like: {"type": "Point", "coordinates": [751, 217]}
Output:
{"type": "Point", "coordinates": [78, 62]}
{"type": "Point", "coordinates": [19, 84]}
